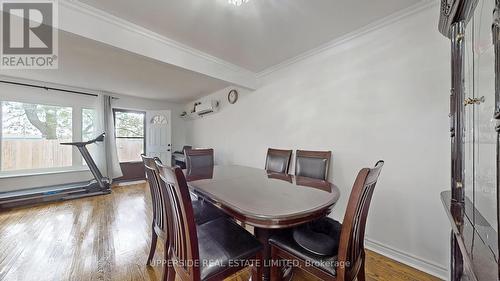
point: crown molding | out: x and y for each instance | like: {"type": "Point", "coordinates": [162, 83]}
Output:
{"type": "Point", "coordinates": [222, 69]}
{"type": "Point", "coordinates": [219, 68]}
{"type": "Point", "coordinates": [379, 24]}
{"type": "Point", "coordinates": [92, 11]}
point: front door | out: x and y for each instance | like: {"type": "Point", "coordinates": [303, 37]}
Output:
{"type": "Point", "coordinates": [158, 136]}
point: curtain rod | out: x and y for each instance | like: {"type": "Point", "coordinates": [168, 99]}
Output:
{"type": "Point", "coordinates": [49, 88]}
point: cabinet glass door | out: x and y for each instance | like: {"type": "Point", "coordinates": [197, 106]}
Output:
{"type": "Point", "coordinates": [479, 114]}
{"type": "Point", "coordinates": [469, 124]}
{"type": "Point", "coordinates": [484, 84]}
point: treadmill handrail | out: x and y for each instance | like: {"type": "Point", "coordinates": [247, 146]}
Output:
{"type": "Point", "coordinates": [99, 138]}
{"type": "Point", "coordinates": [82, 147]}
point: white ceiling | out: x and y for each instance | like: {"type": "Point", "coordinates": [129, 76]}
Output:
{"type": "Point", "coordinates": [256, 35]}
{"type": "Point", "coordinates": [93, 65]}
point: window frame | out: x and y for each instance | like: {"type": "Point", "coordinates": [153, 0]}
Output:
{"type": "Point", "coordinates": [122, 110]}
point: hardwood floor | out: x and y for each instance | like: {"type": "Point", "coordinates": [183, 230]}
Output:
{"type": "Point", "coordinates": [107, 238]}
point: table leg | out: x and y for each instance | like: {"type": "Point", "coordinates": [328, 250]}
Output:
{"type": "Point", "coordinates": [264, 271]}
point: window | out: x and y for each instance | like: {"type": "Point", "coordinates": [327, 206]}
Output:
{"type": "Point", "coordinates": [89, 119]}
{"type": "Point", "coordinates": [130, 140]}
{"type": "Point", "coordinates": [89, 132]}
{"type": "Point", "coordinates": [33, 124]}
{"type": "Point", "coordinates": [31, 134]}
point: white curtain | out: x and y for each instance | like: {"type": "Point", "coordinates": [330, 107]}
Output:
{"type": "Point", "coordinates": [110, 164]}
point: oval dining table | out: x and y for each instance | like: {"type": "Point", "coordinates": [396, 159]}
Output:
{"type": "Point", "coordinates": [265, 200]}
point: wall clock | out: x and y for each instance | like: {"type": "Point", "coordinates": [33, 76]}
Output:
{"type": "Point", "coordinates": [232, 97]}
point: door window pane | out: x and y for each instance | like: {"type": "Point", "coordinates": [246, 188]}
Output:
{"type": "Point", "coordinates": [130, 150]}
{"type": "Point", "coordinates": [129, 135]}
{"type": "Point", "coordinates": [31, 136]}
{"type": "Point", "coordinates": [129, 124]}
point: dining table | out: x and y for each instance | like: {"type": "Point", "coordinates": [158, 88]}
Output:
{"type": "Point", "coordinates": [265, 200]}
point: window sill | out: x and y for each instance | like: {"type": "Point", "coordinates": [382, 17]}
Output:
{"type": "Point", "coordinates": [30, 173]}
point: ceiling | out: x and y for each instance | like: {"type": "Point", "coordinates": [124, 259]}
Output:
{"type": "Point", "coordinates": [93, 65]}
{"type": "Point", "coordinates": [256, 35]}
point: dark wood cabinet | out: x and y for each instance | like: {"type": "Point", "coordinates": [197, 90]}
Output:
{"type": "Point", "coordinates": [472, 203]}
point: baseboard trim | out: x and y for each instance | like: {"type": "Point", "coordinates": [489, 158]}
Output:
{"type": "Point", "coordinates": [415, 262]}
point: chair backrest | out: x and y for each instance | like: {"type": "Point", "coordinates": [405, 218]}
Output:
{"type": "Point", "coordinates": [198, 159]}
{"type": "Point", "coordinates": [184, 240]}
{"type": "Point", "coordinates": [186, 147]}
{"type": "Point", "coordinates": [312, 164]}
{"type": "Point", "coordinates": [351, 247]}
{"type": "Point", "coordinates": [278, 160]}
{"type": "Point", "coordinates": [157, 199]}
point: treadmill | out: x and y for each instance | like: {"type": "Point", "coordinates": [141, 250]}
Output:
{"type": "Point", "coordinates": [98, 186]}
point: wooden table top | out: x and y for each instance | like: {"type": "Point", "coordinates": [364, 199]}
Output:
{"type": "Point", "coordinates": [262, 199]}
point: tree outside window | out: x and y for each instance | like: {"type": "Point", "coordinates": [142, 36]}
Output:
{"type": "Point", "coordinates": [31, 134]}
{"type": "Point", "coordinates": [129, 134]}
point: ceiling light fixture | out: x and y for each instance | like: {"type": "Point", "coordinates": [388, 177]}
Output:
{"type": "Point", "coordinates": [237, 2]}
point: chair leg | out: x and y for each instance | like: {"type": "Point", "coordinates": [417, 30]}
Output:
{"type": "Point", "coordinates": [170, 273]}
{"type": "Point", "coordinates": [257, 268]}
{"type": "Point", "coordinates": [168, 270]}
{"type": "Point", "coordinates": [154, 239]}
{"type": "Point", "coordinates": [276, 274]}
{"type": "Point", "coordinates": [361, 273]}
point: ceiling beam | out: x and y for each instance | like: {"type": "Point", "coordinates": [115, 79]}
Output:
{"type": "Point", "coordinates": [95, 24]}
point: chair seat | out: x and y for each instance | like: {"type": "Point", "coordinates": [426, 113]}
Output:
{"type": "Point", "coordinates": [286, 241]}
{"type": "Point", "coordinates": [220, 241]}
{"type": "Point", "coordinates": [205, 212]}
{"type": "Point", "coordinates": [320, 237]}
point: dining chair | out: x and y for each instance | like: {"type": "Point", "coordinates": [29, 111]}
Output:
{"type": "Point", "coordinates": [211, 251]}
{"type": "Point", "coordinates": [328, 249]}
{"type": "Point", "coordinates": [203, 211]}
{"type": "Point", "coordinates": [278, 160]}
{"type": "Point", "coordinates": [157, 202]}
{"type": "Point", "coordinates": [198, 159]}
{"type": "Point", "coordinates": [312, 164]}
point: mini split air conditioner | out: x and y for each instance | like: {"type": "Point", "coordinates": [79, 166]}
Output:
{"type": "Point", "coordinates": [207, 107]}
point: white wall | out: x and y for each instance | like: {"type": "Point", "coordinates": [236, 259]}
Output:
{"type": "Point", "coordinates": [383, 95]}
